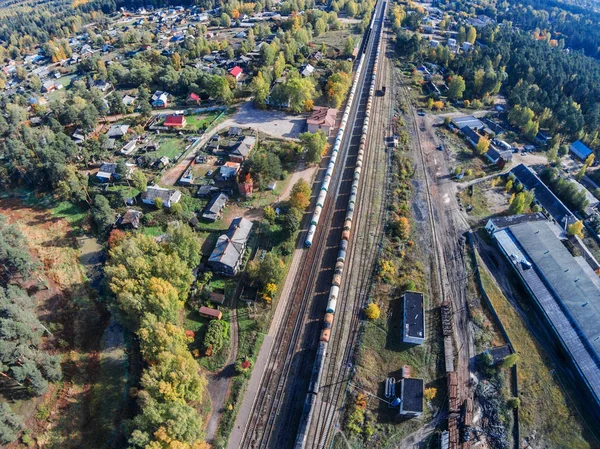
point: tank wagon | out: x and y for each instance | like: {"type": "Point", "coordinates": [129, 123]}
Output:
{"type": "Point", "coordinates": [319, 363]}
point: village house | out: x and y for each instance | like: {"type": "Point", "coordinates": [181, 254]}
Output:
{"type": "Point", "coordinates": [160, 99]}
{"type": "Point", "coordinates": [322, 118]}
{"type": "Point", "coordinates": [193, 98]}
{"type": "Point", "coordinates": [236, 72]}
{"type": "Point", "coordinates": [228, 254]}
{"type": "Point", "coordinates": [130, 219]}
{"type": "Point", "coordinates": [167, 196]}
{"type": "Point", "coordinates": [175, 121]}
{"type": "Point", "coordinates": [117, 131]}
{"type": "Point", "coordinates": [241, 151]}
{"type": "Point", "coordinates": [212, 211]}
{"type": "Point", "coordinates": [107, 171]}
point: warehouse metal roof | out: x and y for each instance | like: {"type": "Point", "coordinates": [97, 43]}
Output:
{"type": "Point", "coordinates": [543, 194]}
{"type": "Point", "coordinates": [566, 290]}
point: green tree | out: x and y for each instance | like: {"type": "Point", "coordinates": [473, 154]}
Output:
{"type": "Point", "coordinates": [139, 180]}
{"type": "Point", "coordinates": [510, 360]}
{"type": "Point", "coordinates": [184, 242]}
{"type": "Point", "coordinates": [513, 403]}
{"type": "Point", "coordinates": [23, 359]}
{"type": "Point", "coordinates": [349, 46]}
{"type": "Point", "coordinates": [456, 87]}
{"type": "Point", "coordinates": [115, 103]}
{"type": "Point", "coordinates": [320, 26]}
{"type": "Point", "coordinates": [10, 424]}
{"type": "Point", "coordinates": [314, 144]}
{"type": "Point", "coordinates": [300, 91]}
{"type": "Point", "coordinates": [267, 271]}
{"type": "Point", "coordinates": [260, 90]}
{"type": "Point", "coordinates": [471, 34]}
{"type": "Point", "coordinates": [103, 214]}
{"type": "Point", "coordinates": [225, 20]}
{"type": "Point", "coordinates": [291, 222]}
{"type": "Point", "coordinates": [270, 215]}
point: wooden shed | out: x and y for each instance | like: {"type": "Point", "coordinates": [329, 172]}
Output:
{"type": "Point", "coordinates": [213, 314]}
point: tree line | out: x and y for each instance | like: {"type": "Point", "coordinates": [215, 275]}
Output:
{"type": "Point", "coordinates": [27, 364]}
{"type": "Point", "coordinates": [150, 282]}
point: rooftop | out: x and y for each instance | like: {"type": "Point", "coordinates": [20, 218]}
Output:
{"type": "Point", "coordinates": [566, 289]}
{"type": "Point", "coordinates": [230, 246]}
{"type": "Point", "coordinates": [472, 122]}
{"type": "Point", "coordinates": [214, 206]}
{"type": "Point", "coordinates": [414, 320]}
{"type": "Point", "coordinates": [412, 395]}
{"type": "Point", "coordinates": [543, 194]}
{"type": "Point", "coordinates": [322, 116]}
{"type": "Point", "coordinates": [579, 149]}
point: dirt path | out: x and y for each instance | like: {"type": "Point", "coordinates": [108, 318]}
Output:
{"type": "Point", "coordinates": [220, 382]}
{"type": "Point", "coordinates": [302, 172]}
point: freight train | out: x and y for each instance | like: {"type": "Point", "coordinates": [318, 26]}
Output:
{"type": "Point", "coordinates": [313, 388]}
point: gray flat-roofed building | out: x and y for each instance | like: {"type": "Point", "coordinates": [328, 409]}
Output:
{"type": "Point", "coordinates": [411, 396]}
{"type": "Point", "coordinates": [472, 122]}
{"type": "Point", "coordinates": [413, 330]}
{"type": "Point", "coordinates": [566, 290]}
{"type": "Point", "coordinates": [229, 250]}
{"type": "Point", "coordinates": [543, 195]}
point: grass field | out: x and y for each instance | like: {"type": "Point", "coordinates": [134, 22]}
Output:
{"type": "Point", "coordinates": [544, 408]}
{"type": "Point", "coordinates": [170, 147]}
{"type": "Point", "coordinates": [474, 198]}
{"type": "Point", "coordinates": [200, 122]}
{"type": "Point", "coordinates": [336, 38]}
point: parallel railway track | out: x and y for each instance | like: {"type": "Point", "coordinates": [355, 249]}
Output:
{"type": "Point", "coordinates": [274, 411]}
{"type": "Point", "coordinates": [364, 242]}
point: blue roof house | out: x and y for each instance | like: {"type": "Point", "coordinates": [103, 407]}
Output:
{"type": "Point", "coordinates": [580, 150]}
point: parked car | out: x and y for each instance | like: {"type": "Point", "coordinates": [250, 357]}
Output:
{"type": "Point", "coordinates": [421, 113]}
{"type": "Point", "coordinates": [441, 147]}
{"type": "Point", "coordinates": [209, 173]}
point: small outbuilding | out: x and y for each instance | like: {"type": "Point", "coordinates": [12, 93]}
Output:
{"type": "Point", "coordinates": [212, 314]}
{"type": "Point", "coordinates": [413, 330]}
{"type": "Point", "coordinates": [411, 397]}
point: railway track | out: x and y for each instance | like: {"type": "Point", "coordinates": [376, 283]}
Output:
{"type": "Point", "coordinates": [364, 243]}
{"type": "Point", "coordinates": [267, 426]}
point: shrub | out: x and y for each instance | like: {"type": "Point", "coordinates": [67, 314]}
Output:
{"type": "Point", "coordinates": [372, 311]}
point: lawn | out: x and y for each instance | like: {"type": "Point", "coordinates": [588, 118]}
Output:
{"type": "Point", "coordinates": [200, 122]}
{"type": "Point", "coordinates": [170, 147]}
{"type": "Point", "coordinates": [544, 408]}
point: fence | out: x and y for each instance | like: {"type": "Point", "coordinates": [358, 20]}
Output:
{"type": "Point", "coordinates": [490, 306]}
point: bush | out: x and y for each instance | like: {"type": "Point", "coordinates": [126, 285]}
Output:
{"type": "Point", "coordinates": [372, 311]}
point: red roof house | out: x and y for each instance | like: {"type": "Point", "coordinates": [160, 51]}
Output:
{"type": "Point", "coordinates": [236, 72]}
{"type": "Point", "coordinates": [175, 121]}
{"type": "Point", "coordinates": [193, 98]}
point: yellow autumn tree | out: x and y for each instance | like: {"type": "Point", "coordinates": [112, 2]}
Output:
{"type": "Point", "coordinates": [430, 393]}
{"type": "Point", "coordinates": [372, 311]}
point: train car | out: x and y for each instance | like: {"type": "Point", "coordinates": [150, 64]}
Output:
{"type": "Point", "coordinates": [333, 296]}
{"type": "Point", "coordinates": [328, 320]}
{"type": "Point", "coordinates": [315, 378]}
{"type": "Point", "coordinates": [305, 420]}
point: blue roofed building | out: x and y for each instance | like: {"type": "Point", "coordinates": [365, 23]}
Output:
{"type": "Point", "coordinates": [580, 150]}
